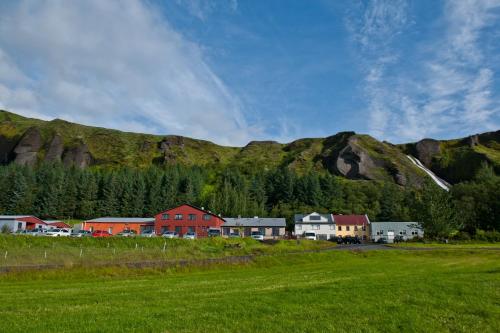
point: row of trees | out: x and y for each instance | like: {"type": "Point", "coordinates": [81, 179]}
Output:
{"type": "Point", "coordinates": [54, 191]}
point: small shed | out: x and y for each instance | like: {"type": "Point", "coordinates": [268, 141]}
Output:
{"type": "Point", "coordinates": [270, 227]}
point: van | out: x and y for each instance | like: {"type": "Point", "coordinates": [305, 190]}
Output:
{"type": "Point", "coordinates": [311, 235]}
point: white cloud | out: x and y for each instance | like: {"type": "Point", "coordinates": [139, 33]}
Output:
{"type": "Point", "coordinates": [448, 88]}
{"type": "Point", "coordinates": [115, 64]}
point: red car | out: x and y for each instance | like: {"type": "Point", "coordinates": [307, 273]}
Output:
{"type": "Point", "coordinates": [101, 233]}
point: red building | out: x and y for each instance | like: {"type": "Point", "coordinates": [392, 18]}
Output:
{"type": "Point", "coordinates": [187, 218]}
{"type": "Point", "coordinates": [115, 225]}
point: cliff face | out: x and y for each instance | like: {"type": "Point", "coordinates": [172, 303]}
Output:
{"type": "Point", "coordinates": [28, 141]}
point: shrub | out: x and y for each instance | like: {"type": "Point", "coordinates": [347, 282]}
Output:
{"type": "Point", "coordinates": [6, 229]}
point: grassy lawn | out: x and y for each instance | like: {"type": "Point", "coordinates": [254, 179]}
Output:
{"type": "Point", "coordinates": [377, 291]}
{"type": "Point", "coordinates": [88, 251]}
{"type": "Point", "coordinates": [451, 245]}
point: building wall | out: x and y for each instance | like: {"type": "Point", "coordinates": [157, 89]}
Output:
{"type": "Point", "coordinates": [13, 225]}
{"type": "Point", "coordinates": [407, 230]}
{"type": "Point", "coordinates": [247, 231]}
{"type": "Point", "coordinates": [184, 224]}
{"type": "Point", "coordinates": [323, 231]}
{"type": "Point", "coordinates": [353, 230]}
{"type": "Point", "coordinates": [116, 227]}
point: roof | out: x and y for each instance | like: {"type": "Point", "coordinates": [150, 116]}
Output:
{"type": "Point", "coordinates": [58, 224]}
{"type": "Point", "coordinates": [298, 218]}
{"type": "Point", "coordinates": [192, 206]}
{"type": "Point", "coordinates": [415, 225]}
{"type": "Point", "coordinates": [255, 222]}
{"type": "Point", "coordinates": [122, 220]}
{"type": "Point", "coordinates": [351, 219]}
{"type": "Point", "coordinates": [15, 217]}
{"type": "Point", "coordinates": [3, 217]}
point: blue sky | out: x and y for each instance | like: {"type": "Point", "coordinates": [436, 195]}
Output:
{"type": "Point", "coordinates": [232, 71]}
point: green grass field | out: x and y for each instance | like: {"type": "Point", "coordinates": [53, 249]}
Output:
{"type": "Point", "coordinates": [344, 291]}
{"type": "Point", "coordinates": [88, 251]}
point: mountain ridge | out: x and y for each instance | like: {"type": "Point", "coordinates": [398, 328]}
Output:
{"type": "Point", "coordinates": [30, 141]}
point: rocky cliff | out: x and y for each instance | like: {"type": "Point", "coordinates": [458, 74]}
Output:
{"type": "Point", "coordinates": [28, 141]}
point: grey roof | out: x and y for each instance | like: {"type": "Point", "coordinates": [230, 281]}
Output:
{"type": "Point", "coordinates": [3, 217]}
{"type": "Point", "coordinates": [254, 222]}
{"type": "Point", "coordinates": [298, 218]}
{"type": "Point", "coordinates": [122, 220]}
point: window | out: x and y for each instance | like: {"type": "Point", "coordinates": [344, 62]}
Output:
{"type": "Point", "coordinates": [110, 230]}
{"type": "Point", "coordinates": [315, 218]}
{"type": "Point", "coordinates": [276, 231]}
{"type": "Point", "coordinates": [163, 229]}
{"type": "Point", "coordinates": [363, 228]}
{"type": "Point", "coordinates": [404, 232]}
{"type": "Point", "coordinates": [207, 217]}
{"type": "Point", "coordinates": [178, 216]}
{"type": "Point", "coordinates": [191, 217]}
{"type": "Point", "coordinates": [298, 227]}
{"type": "Point", "coordinates": [378, 233]}
{"type": "Point", "coordinates": [332, 226]}
{"type": "Point", "coordinates": [315, 226]}
{"type": "Point", "coordinates": [381, 232]}
{"type": "Point", "coordinates": [91, 229]}
{"type": "Point", "coordinates": [347, 228]}
{"type": "Point", "coordinates": [355, 228]}
{"type": "Point", "coordinates": [226, 231]}
{"type": "Point", "coordinates": [340, 228]}
{"type": "Point", "coordinates": [191, 229]}
{"type": "Point", "coordinates": [164, 217]}
{"type": "Point", "coordinates": [20, 225]}
{"type": "Point", "coordinates": [178, 229]}
{"type": "Point", "coordinates": [262, 230]}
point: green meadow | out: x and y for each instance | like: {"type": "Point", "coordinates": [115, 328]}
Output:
{"type": "Point", "coordinates": [333, 291]}
{"type": "Point", "coordinates": [89, 251]}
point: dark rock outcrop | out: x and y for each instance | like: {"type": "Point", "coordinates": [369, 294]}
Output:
{"type": "Point", "coordinates": [27, 149]}
{"type": "Point", "coordinates": [426, 149]}
{"type": "Point", "coordinates": [354, 162]}
{"type": "Point", "coordinates": [166, 147]}
{"type": "Point", "coordinates": [78, 156]}
{"type": "Point", "coordinates": [55, 149]}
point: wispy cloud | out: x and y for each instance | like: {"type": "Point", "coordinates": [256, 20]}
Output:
{"type": "Point", "coordinates": [115, 64]}
{"type": "Point", "coordinates": [448, 85]}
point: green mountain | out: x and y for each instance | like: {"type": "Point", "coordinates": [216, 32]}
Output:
{"type": "Point", "coordinates": [28, 141]}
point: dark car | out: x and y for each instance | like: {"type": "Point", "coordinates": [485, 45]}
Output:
{"type": "Point", "coordinates": [382, 240]}
{"type": "Point", "coordinates": [213, 232]}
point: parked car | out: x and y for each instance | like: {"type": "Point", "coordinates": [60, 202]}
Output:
{"type": "Point", "coordinates": [127, 233]}
{"type": "Point", "coordinates": [170, 234]}
{"type": "Point", "coordinates": [23, 232]}
{"type": "Point", "coordinates": [213, 232]}
{"type": "Point", "coordinates": [148, 233]}
{"type": "Point", "coordinates": [311, 235]}
{"type": "Point", "coordinates": [57, 233]}
{"type": "Point", "coordinates": [257, 235]}
{"type": "Point", "coordinates": [382, 240]}
{"type": "Point", "coordinates": [81, 233]}
{"type": "Point", "coordinates": [190, 235]}
{"type": "Point", "coordinates": [234, 235]}
{"type": "Point", "coordinates": [101, 233]}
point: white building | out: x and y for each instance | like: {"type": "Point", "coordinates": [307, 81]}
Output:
{"type": "Point", "coordinates": [322, 224]}
{"type": "Point", "coordinates": [394, 230]}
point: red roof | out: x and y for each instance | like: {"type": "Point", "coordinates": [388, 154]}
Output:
{"type": "Point", "coordinates": [351, 219]}
{"type": "Point", "coordinates": [195, 207]}
{"type": "Point", "coordinates": [60, 224]}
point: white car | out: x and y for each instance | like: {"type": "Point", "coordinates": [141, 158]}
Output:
{"type": "Point", "coordinates": [257, 235]}
{"type": "Point", "coordinates": [190, 235]}
{"type": "Point", "coordinates": [170, 234]}
{"type": "Point", "coordinates": [311, 235]}
{"type": "Point", "coordinates": [148, 233]}
{"type": "Point", "coordinates": [58, 233]}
